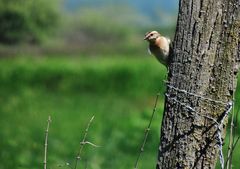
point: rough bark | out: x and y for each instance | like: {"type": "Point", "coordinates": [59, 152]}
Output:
{"type": "Point", "coordinates": [201, 82]}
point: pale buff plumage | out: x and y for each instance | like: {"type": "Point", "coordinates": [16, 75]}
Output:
{"type": "Point", "coordinates": [159, 46]}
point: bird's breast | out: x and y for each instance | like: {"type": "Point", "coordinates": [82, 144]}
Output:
{"type": "Point", "coordinates": [159, 53]}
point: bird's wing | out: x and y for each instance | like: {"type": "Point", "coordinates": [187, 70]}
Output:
{"type": "Point", "coordinates": [149, 51]}
{"type": "Point", "coordinates": [168, 40]}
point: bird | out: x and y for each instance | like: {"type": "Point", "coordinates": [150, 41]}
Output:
{"type": "Point", "coordinates": [159, 46]}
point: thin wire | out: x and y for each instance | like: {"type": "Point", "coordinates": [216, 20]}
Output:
{"type": "Point", "coordinates": [220, 124]}
{"type": "Point", "coordinates": [196, 95]}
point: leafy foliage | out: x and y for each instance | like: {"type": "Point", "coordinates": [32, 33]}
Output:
{"type": "Point", "coordinates": [23, 20]}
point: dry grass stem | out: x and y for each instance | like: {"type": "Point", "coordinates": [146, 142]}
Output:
{"type": "Point", "coordinates": [146, 133]}
{"type": "Point", "coordinates": [46, 143]}
{"type": "Point", "coordinates": [82, 143]}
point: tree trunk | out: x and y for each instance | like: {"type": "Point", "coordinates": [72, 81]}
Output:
{"type": "Point", "coordinates": [201, 83]}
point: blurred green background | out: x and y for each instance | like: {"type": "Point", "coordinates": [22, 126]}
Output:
{"type": "Point", "coordinates": [75, 59]}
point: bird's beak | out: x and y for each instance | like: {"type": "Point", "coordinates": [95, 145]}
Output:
{"type": "Point", "coordinates": [145, 38]}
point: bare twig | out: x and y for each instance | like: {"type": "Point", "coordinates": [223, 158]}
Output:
{"type": "Point", "coordinates": [146, 132]}
{"type": "Point", "coordinates": [46, 143]}
{"type": "Point", "coordinates": [82, 143]}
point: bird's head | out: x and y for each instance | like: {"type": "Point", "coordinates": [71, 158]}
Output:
{"type": "Point", "coordinates": [152, 36]}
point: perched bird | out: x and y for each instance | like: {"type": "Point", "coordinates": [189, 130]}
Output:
{"type": "Point", "coordinates": [159, 46]}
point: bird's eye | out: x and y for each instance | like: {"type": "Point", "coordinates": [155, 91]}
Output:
{"type": "Point", "coordinates": [151, 34]}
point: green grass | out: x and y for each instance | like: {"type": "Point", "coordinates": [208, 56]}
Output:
{"type": "Point", "coordinates": [119, 91]}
